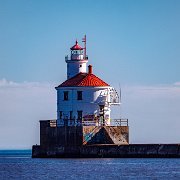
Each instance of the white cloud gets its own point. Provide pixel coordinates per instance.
(5, 83)
(22, 105)
(153, 112)
(177, 83)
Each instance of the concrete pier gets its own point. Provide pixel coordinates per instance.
(95, 142)
(52, 135)
(109, 151)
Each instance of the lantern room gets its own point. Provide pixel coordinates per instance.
(76, 52)
(77, 61)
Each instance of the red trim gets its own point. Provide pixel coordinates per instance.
(84, 79)
(76, 47)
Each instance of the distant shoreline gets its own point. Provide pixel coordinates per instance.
(16, 153)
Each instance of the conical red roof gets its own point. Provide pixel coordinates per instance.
(76, 47)
(83, 79)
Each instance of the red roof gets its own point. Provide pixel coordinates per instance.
(83, 79)
(76, 47)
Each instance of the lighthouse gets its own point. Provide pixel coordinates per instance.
(84, 104)
(83, 98)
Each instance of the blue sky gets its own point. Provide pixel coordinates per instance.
(134, 43)
(136, 40)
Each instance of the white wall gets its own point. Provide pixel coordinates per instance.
(89, 104)
(75, 66)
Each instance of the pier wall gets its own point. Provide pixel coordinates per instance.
(109, 151)
(95, 142)
(52, 135)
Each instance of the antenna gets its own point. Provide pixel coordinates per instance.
(84, 40)
(119, 93)
(120, 96)
(120, 100)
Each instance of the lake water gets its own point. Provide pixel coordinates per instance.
(20, 165)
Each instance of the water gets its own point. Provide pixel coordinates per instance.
(20, 165)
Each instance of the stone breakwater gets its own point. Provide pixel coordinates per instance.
(109, 151)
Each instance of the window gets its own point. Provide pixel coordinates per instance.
(60, 114)
(79, 95)
(71, 115)
(79, 113)
(65, 95)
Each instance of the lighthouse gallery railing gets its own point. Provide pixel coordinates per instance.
(72, 122)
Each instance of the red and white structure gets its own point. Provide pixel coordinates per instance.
(83, 98)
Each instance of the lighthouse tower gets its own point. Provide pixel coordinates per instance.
(83, 98)
(77, 62)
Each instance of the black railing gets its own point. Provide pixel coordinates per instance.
(52, 123)
(79, 122)
(67, 58)
(120, 122)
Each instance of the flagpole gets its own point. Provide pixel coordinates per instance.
(84, 40)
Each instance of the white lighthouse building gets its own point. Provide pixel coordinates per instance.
(83, 98)
(83, 115)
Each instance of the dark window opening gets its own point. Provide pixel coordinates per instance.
(71, 115)
(65, 95)
(79, 113)
(79, 95)
(101, 113)
(60, 114)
